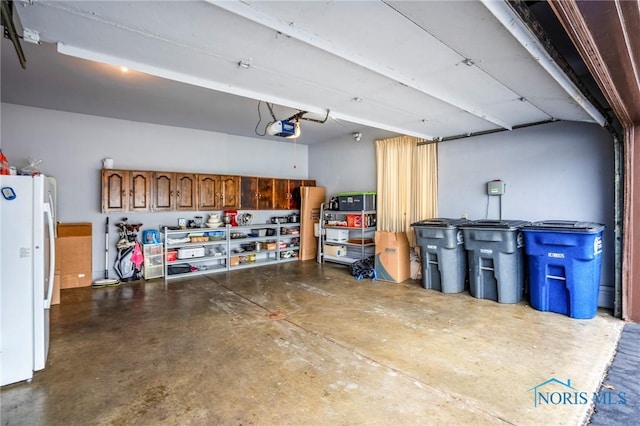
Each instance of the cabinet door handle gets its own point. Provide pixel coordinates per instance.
(178, 194)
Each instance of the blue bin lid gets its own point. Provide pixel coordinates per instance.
(495, 224)
(564, 226)
(440, 222)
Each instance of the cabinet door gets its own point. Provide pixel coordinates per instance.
(281, 194)
(164, 189)
(265, 193)
(140, 191)
(186, 195)
(208, 192)
(230, 188)
(115, 190)
(248, 192)
(294, 190)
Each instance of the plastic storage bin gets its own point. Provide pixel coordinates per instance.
(356, 201)
(564, 259)
(495, 252)
(444, 259)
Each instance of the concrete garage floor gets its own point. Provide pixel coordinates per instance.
(299, 343)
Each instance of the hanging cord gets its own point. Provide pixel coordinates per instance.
(295, 151)
(486, 215)
(264, 133)
(259, 121)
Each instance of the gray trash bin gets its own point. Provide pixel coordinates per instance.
(495, 251)
(444, 259)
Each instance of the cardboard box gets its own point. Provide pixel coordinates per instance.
(55, 298)
(74, 255)
(312, 199)
(81, 229)
(392, 256)
(337, 235)
(354, 220)
(338, 251)
(74, 280)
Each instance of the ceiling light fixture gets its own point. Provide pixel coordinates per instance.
(124, 69)
(357, 136)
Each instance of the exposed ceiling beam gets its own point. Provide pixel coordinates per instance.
(289, 29)
(90, 55)
(510, 20)
(235, 90)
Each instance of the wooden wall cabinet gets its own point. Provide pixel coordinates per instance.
(145, 191)
(174, 191)
(186, 192)
(164, 191)
(217, 192)
(126, 190)
(287, 193)
(281, 194)
(230, 192)
(256, 193)
(208, 192)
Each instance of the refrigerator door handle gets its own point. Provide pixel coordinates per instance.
(53, 212)
(52, 255)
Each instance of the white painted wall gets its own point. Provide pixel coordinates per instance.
(559, 170)
(344, 165)
(72, 147)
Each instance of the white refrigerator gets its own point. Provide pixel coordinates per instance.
(27, 265)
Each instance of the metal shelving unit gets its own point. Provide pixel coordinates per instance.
(353, 242)
(232, 248)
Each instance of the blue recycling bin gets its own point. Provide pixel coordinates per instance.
(444, 260)
(565, 260)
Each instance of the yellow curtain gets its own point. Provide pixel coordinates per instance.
(407, 183)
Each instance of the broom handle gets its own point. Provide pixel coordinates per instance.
(106, 250)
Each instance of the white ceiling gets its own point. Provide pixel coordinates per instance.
(378, 67)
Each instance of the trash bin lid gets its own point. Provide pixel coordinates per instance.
(440, 222)
(495, 224)
(565, 225)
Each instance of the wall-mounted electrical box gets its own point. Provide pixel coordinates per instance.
(495, 187)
